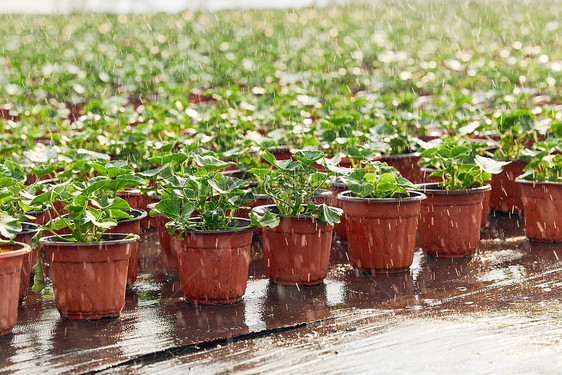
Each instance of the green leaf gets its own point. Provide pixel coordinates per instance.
(226, 184)
(268, 221)
(308, 157)
(329, 215)
(490, 165)
(9, 226)
(169, 208)
(210, 163)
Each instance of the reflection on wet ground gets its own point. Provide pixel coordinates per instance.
(503, 303)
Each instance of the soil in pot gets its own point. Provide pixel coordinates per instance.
(297, 252)
(213, 265)
(542, 203)
(11, 259)
(450, 220)
(381, 232)
(89, 279)
(506, 192)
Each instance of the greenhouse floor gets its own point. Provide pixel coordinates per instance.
(499, 312)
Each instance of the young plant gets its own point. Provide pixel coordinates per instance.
(204, 190)
(90, 207)
(377, 180)
(459, 168)
(293, 184)
(544, 163)
(515, 130)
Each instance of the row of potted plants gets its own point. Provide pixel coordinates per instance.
(201, 202)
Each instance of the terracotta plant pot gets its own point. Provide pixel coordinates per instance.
(406, 164)
(127, 226)
(41, 217)
(427, 178)
(450, 220)
(381, 232)
(542, 203)
(89, 279)
(297, 252)
(145, 200)
(340, 228)
(25, 236)
(506, 192)
(213, 265)
(169, 257)
(11, 259)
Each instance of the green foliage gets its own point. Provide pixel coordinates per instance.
(515, 130)
(376, 180)
(90, 204)
(544, 163)
(293, 184)
(458, 167)
(200, 189)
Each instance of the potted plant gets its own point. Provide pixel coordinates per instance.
(297, 251)
(381, 218)
(211, 244)
(15, 203)
(430, 165)
(399, 146)
(515, 131)
(101, 259)
(11, 259)
(451, 215)
(541, 186)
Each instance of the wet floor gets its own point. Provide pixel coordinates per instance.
(499, 312)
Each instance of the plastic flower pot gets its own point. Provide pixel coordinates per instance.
(406, 164)
(169, 257)
(381, 232)
(450, 220)
(542, 202)
(427, 178)
(11, 259)
(506, 192)
(297, 251)
(25, 236)
(340, 228)
(213, 265)
(133, 226)
(144, 201)
(89, 278)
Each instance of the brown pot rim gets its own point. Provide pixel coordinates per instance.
(432, 188)
(540, 183)
(112, 239)
(346, 196)
(260, 210)
(23, 249)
